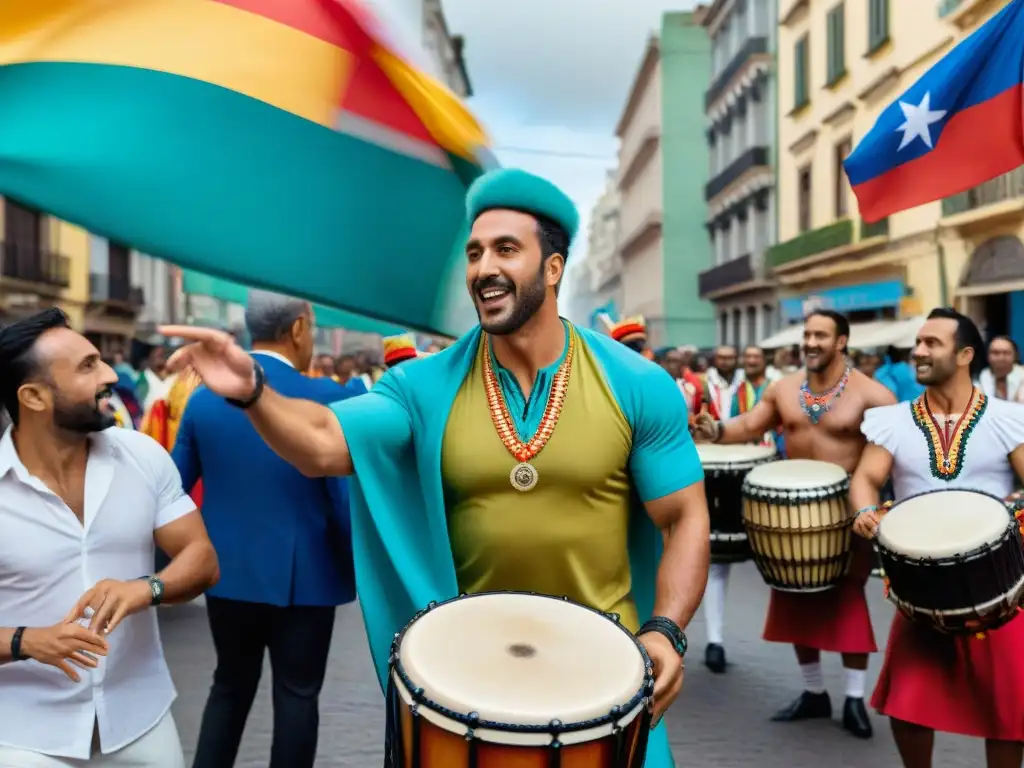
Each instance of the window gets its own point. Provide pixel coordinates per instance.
(801, 62)
(836, 46)
(723, 328)
(878, 24)
(804, 199)
(751, 337)
(842, 191)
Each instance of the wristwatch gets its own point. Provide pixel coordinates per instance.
(156, 588)
(257, 390)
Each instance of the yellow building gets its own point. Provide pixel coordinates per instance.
(46, 262)
(840, 63)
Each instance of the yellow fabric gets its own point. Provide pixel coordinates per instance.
(177, 398)
(567, 536)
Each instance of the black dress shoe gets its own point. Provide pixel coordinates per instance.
(714, 658)
(807, 706)
(855, 718)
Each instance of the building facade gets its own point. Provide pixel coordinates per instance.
(839, 65)
(44, 262)
(599, 287)
(740, 193)
(663, 168)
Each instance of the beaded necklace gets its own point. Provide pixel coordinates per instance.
(947, 448)
(816, 406)
(524, 475)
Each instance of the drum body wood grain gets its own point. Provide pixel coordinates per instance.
(725, 466)
(516, 680)
(953, 560)
(799, 524)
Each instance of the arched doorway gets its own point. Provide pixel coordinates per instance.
(994, 283)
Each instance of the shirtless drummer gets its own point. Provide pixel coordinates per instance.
(820, 410)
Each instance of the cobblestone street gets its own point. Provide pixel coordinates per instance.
(719, 721)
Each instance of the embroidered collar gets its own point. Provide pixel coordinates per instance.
(947, 451)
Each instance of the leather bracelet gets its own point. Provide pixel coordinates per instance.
(668, 629)
(718, 431)
(257, 390)
(16, 654)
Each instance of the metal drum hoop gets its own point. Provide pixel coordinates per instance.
(782, 496)
(555, 728)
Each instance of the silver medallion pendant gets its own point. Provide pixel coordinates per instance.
(523, 476)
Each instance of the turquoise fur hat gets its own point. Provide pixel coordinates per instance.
(518, 190)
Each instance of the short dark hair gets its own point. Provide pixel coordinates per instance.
(966, 335)
(18, 359)
(1011, 342)
(661, 354)
(757, 348)
(838, 319)
(553, 239)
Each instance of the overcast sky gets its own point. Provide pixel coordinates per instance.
(550, 79)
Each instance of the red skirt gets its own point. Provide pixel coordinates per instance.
(962, 685)
(836, 620)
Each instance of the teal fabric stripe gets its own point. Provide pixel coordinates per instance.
(218, 182)
(199, 284)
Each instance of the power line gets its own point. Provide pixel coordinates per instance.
(554, 153)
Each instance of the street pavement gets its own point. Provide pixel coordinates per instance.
(720, 721)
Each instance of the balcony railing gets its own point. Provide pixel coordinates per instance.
(827, 238)
(726, 275)
(103, 288)
(752, 47)
(35, 265)
(752, 158)
(1000, 189)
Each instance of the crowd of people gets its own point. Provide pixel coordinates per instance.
(531, 455)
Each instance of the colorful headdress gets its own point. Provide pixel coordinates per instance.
(399, 348)
(628, 329)
(518, 190)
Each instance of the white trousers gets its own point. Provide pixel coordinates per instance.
(159, 748)
(714, 602)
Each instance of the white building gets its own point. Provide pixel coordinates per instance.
(740, 193)
(604, 260)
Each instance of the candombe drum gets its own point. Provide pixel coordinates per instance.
(954, 560)
(725, 466)
(519, 680)
(799, 524)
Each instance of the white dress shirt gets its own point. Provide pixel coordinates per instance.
(48, 559)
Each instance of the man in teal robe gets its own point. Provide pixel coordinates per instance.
(392, 438)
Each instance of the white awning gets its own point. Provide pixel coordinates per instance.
(787, 337)
(877, 333)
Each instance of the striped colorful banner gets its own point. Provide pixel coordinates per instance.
(283, 144)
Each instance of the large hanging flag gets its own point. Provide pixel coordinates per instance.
(960, 125)
(284, 144)
(198, 284)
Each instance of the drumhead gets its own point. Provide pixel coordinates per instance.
(795, 475)
(725, 456)
(943, 524)
(522, 659)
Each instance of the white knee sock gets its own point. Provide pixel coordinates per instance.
(714, 601)
(814, 680)
(855, 683)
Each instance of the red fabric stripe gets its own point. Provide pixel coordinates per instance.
(398, 355)
(313, 17)
(348, 25)
(977, 144)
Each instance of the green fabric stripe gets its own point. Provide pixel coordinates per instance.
(218, 182)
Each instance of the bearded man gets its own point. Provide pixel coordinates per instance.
(820, 412)
(953, 437)
(83, 679)
(553, 515)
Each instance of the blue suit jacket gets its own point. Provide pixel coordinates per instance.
(281, 538)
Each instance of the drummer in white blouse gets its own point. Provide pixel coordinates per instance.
(952, 437)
